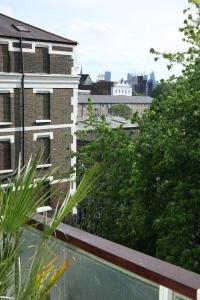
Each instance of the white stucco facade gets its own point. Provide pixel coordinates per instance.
(121, 89)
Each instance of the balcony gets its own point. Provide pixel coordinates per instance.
(103, 270)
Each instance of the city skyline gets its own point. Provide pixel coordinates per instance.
(112, 35)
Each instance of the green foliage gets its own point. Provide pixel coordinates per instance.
(107, 206)
(162, 89)
(166, 176)
(148, 196)
(32, 279)
(121, 110)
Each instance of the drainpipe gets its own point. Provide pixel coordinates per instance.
(22, 98)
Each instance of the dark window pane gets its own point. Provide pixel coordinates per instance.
(43, 106)
(4, 58)
(46, 107)
(5, 155)
(5, 108)
(42, 57)
(44, 148)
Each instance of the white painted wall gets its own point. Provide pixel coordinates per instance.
(121, 89)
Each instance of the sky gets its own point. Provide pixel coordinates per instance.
(113, 35)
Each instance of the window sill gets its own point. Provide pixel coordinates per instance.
(6, 171)
(42, 121)
(43, 209)
(5, 123)
(44, 166)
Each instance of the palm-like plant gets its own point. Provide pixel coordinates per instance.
(18, 203)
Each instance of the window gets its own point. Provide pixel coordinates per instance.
(5, 111)
(43, 145)
(42, 58)
(4, 58)
(20, 28)
(43, 106)
(5, 155)
(46, 193)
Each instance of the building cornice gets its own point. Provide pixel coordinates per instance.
(13, 80)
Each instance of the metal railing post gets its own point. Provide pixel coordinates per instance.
(165, 293)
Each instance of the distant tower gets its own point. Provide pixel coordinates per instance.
(107, 76)
(153, 78)
(81, 70)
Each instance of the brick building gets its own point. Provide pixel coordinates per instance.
(38, 98)
(103, 104)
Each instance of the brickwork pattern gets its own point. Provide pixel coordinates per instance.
(60, 107)
(60, 64)
(61, 48)
(58, 149)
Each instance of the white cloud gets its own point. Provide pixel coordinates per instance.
(111, 34)
(118, 47)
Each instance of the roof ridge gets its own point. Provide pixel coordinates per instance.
(11, 18)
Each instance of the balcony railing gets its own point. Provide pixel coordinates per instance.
(103, 270)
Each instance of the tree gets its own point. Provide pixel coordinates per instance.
(148, 197)
(121, 110)
(166, 177)
(106, 210)
(162, 89)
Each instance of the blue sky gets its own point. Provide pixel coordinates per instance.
(113, 35)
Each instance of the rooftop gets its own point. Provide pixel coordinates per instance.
(12, 28)
(113, 122)
(108, 99)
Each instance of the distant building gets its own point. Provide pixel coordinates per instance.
(94, 88)
(100, 77)
(102, 88)
(150, 87)
(121, 88)
(107, 76)
(102, 104)
(85, 80)
(113, 122)
(141, 84)
(153, 78)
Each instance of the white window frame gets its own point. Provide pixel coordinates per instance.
(43, 91)
(6, 91)
(11, 139)
(41, 135)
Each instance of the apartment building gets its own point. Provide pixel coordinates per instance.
(38, 99)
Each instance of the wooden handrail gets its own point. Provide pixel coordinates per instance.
(175, 278)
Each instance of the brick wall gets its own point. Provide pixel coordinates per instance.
(60, 106)
(38, 62)
(58, 193)
(60, 64)
(58, 149)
